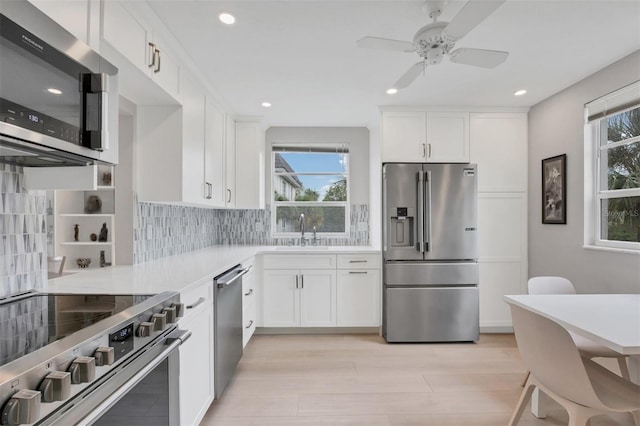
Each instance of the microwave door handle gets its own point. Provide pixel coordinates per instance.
(427, 231)
(420, 233)
(95, 111)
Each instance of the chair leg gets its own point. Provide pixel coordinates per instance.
(522, 402)
(526, 378)
(624, 369)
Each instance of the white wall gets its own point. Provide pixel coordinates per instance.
(556, 126)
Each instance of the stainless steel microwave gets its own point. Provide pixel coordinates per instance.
(58, 98)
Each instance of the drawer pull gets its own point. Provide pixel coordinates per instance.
(357, 261)
(199, 301)
(250, 324)
(249, 292)
(358, 272)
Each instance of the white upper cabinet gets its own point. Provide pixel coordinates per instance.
(128, 32)
(193, 142)
(416, 137)
(73, 15)
(249, 165)
(499, 147)
(214, 163)
(230, 159)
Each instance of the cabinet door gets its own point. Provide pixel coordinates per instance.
(248, 303)
(126, 34)
(447, 137)
(193, 110)
(499, 147)
(358, 298)
(249, 166)
(317, 298)
(280, 298)
(403, 136)
(214, 155)
(196, 366)
(230, 158)
(166, 70)
(72, 15)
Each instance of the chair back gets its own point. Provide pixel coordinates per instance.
(552, 357)
(550, 285)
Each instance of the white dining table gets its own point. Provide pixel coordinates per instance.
(613, 320)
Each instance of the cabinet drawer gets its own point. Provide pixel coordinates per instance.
(196, 297)
(300, 261)
(359, 261)
(248, 319)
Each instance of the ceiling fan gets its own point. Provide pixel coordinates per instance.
(437, 39)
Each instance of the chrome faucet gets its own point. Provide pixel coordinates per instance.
(301, 229)
(315, 236)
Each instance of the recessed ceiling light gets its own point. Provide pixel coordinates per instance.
(392, 91)
(520, 92)
(226, 18)
(54, 91)
(266, 104)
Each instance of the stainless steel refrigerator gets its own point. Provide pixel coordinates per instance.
(430, 251)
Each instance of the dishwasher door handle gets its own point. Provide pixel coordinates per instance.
(224, 282)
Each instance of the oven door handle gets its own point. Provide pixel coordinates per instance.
(175, 339)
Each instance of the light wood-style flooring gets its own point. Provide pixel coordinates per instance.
(339, 380)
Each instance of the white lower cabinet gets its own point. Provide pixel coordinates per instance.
(358, 298)
(248, 302)
(299, 298)
(196, 354)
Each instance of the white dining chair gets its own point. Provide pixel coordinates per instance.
(588, 348)
(583, 387)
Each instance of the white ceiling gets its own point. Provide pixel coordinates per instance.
(302, 57)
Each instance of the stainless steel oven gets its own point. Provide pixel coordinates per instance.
(58, 98)
(90, 359)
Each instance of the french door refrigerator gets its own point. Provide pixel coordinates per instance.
(430, 252)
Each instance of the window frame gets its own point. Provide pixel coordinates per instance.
(340, 148)
(596, 165)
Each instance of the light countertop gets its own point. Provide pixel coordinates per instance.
(176, 273)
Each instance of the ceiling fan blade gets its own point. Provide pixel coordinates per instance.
(469, 17)
(410, 76)
(478, 57)
(386, 44)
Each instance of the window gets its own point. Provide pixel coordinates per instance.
(614, 122)
(314, 181)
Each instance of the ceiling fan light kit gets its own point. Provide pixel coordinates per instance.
(436, 40)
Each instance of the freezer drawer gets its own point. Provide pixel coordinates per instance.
(430, 273)
(431, 314)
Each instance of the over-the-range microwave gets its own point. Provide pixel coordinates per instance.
(58, 98)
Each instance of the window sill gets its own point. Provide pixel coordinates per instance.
(611, 249)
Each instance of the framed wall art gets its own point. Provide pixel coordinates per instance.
(554, 190)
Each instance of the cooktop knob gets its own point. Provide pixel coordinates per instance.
(159, 321)
(104, 356)
(171, 314)
(56, 386)
(83, 370)
(179, 309)
(145, 329)
(23, 407)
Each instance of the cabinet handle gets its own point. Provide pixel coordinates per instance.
(357, 261)
(424, 150)
(229, 192)
(358, 272)
(297, 281)
(209, 191)
(250, 324)
(157, 70)
(249, 293)
(429, 150)
(199, 301)
(301, 281)
(152, 47)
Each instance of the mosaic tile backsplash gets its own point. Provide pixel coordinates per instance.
(23, 235)
(165, 230)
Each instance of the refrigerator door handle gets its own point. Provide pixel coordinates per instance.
(427, 231)
(420, 236)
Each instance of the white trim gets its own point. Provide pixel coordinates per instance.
(623, 142)
(618, 193)
(611, 249)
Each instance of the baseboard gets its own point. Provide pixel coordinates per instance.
(500, 329)
(317, 330)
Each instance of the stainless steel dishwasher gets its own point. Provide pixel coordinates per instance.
(228, 325)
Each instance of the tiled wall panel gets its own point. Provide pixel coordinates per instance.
(23, 235)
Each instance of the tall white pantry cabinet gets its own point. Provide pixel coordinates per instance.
(497, 142)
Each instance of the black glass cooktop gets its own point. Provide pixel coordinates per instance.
(32, 323)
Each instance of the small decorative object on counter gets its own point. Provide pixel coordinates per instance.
(93, 237)
(103, 233)
(93, 205)
(76, 231)
(102, 259)
(83, 262)
(106, 178)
